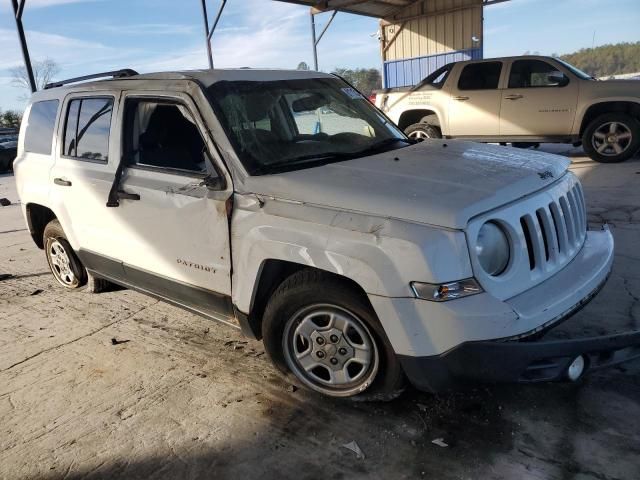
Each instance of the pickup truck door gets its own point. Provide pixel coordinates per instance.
(539, 99)
(170, 227)
(474, 103)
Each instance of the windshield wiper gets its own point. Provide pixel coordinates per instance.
(376, 147)
(318, 159)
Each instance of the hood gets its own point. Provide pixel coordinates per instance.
(438, 182)
(615, 87)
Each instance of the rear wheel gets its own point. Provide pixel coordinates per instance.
(422, 131)
(322, 331)
(612, 138)
(62, 260)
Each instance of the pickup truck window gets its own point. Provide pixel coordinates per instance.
(437, 78)
(291, 124)
(86, 133)
(480, 76)
(535, 73)
(40, 124)
(163, 134)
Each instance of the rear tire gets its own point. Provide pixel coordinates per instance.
(612, 138)
(322, 333)
(421, 131)
(63, 261)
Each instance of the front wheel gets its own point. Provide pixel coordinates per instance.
(321, 330)
(612, 138)
(421, 131)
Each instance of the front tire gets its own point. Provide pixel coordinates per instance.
(63, 262)
(612, 138)
(321, 331)
(422, 131)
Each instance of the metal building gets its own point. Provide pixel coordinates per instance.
(416, 36)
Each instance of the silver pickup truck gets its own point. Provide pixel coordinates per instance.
(522, 100)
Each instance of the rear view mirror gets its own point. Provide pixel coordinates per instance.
(308, 103)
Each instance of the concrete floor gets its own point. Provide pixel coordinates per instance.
(188, 398)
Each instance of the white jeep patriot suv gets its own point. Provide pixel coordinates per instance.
(284, 204)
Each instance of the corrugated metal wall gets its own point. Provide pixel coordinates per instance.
(410, 71)
(435, 32)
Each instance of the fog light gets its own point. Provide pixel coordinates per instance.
(576, 369)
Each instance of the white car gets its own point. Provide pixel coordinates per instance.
(284, 204)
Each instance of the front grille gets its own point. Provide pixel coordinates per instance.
(555, 231)
(546, 230)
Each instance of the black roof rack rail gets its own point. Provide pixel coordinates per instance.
(125, 72)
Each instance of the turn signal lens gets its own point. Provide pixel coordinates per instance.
(445, 291)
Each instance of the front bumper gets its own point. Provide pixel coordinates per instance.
(522, 360)
(521, 357)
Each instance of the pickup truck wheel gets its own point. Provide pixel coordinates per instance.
(62, 260)
(612, 138)
(322, 331)
(422, 131)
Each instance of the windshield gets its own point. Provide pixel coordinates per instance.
(290, 124)
(576, 71)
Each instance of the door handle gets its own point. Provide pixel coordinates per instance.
(122, 195)
(461, 98)
(514, 97)
(62, 182)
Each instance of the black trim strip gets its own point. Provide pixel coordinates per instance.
(198, 300)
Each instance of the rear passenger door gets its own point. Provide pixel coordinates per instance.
(83, 170)
(474, 103)
(171, 224)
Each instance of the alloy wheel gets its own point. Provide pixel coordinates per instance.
(331, 350)
(611, 139)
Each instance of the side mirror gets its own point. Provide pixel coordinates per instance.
(557, 79)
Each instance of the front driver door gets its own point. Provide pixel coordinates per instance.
(172, 214)
(539, 100)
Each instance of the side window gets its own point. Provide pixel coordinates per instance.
(480, 76)
(39, 133)
(86, 132)
(438, 77)
(164, 134)
(535, 73)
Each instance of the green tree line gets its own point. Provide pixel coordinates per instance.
(605, 60)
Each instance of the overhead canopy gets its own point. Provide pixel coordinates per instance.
(370, 8)
(386, 9)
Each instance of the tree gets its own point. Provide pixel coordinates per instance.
(364, 79)
(10, 119)
(607, 60)
(303, 66)
(43, 72)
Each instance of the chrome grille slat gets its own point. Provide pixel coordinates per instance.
(575, 211)
(550, 234)
(569, 221)
(537, 241)
(561, 227)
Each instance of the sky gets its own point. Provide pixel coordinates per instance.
(86, 36)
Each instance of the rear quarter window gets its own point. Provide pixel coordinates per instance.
(40, 124)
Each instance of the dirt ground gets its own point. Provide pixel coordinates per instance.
(185, 398)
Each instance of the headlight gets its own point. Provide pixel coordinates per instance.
(445, 291)
(492, 249)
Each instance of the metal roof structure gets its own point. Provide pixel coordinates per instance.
(384, 9)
